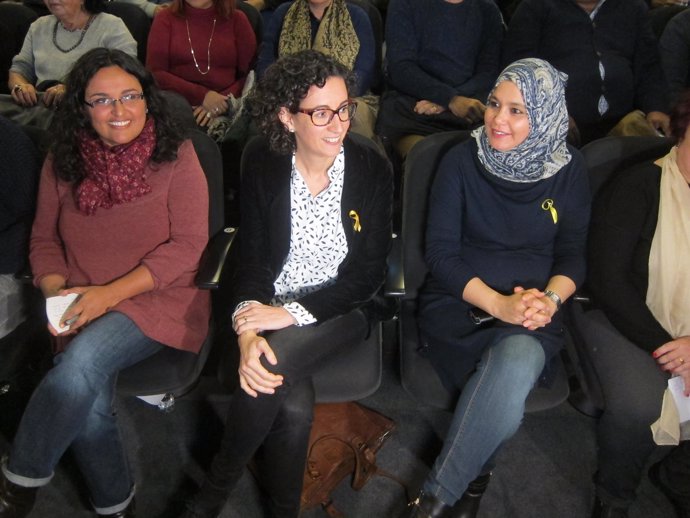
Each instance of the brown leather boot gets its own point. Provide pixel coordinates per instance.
(15, 501)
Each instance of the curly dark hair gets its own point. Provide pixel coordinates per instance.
(680, 117)
(71, 117)
(284, 84)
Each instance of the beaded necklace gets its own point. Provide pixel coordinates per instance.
(81, 36)
(208, 50)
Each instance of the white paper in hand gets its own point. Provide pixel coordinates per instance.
(56, 307)
(676, 386)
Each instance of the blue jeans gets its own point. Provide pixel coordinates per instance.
(73, 407)
(489, 412)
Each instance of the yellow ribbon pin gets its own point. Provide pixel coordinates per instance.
(355, 221)
(547, 204)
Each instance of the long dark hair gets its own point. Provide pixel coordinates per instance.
(71, 118)
(284, 84)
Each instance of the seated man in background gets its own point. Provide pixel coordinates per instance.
(607, 48)
(442, 59)
(674, 47)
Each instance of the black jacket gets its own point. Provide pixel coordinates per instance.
(265, 229)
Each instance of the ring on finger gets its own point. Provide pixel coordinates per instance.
(681, 360)
(208, 114)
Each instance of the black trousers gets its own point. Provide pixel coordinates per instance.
(279, 422)
(674, 473)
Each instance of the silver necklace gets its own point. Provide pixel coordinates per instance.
(81, 36)
(208, 50)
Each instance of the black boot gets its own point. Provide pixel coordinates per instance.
(680, 503)
(127, 512)
(426, 506)
(602, 510)
(207, 503)
(468, 505)
(15, 501)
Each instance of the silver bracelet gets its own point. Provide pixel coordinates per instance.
(554, 297)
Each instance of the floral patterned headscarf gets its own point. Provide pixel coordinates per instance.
(544, 152)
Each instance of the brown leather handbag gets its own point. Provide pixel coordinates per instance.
(344, 440)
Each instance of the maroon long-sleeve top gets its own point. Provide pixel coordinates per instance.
(165, 230)
(232, 52)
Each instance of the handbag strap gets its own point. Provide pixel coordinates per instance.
(365, 468)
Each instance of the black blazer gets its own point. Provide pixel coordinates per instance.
(265, 229)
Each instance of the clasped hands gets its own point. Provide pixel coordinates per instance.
(248, 322)
(214, 104)
(529, 308)
(466, 108)
(25, 95)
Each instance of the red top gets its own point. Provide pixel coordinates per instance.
(169, 57)
(166, 230)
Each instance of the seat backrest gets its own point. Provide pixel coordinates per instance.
(606, 156)
(419, 171)
(37, 6)
(15, 20)
(212, 164)
(254, 17)
(136, 20)
(377, 27)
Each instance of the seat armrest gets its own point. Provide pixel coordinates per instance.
(582, 296)
(213, 259)
(24, 275)
(394, 285)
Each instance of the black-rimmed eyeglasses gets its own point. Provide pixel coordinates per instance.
(107, 102)
(324, 116)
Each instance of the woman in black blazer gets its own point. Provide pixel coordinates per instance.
(316, 229)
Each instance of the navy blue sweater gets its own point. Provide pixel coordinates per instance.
(436, 50)
(482, 226)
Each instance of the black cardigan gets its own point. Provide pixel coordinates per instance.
(562, 33)
(265, 229)
(620, 238)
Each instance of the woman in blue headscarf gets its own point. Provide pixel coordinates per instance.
(506, 235)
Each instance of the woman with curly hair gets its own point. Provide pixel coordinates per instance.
(121, 221)
(316, 213)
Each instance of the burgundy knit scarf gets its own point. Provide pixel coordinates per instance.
(115, 174)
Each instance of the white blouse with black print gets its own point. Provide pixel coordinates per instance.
(317, 242)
